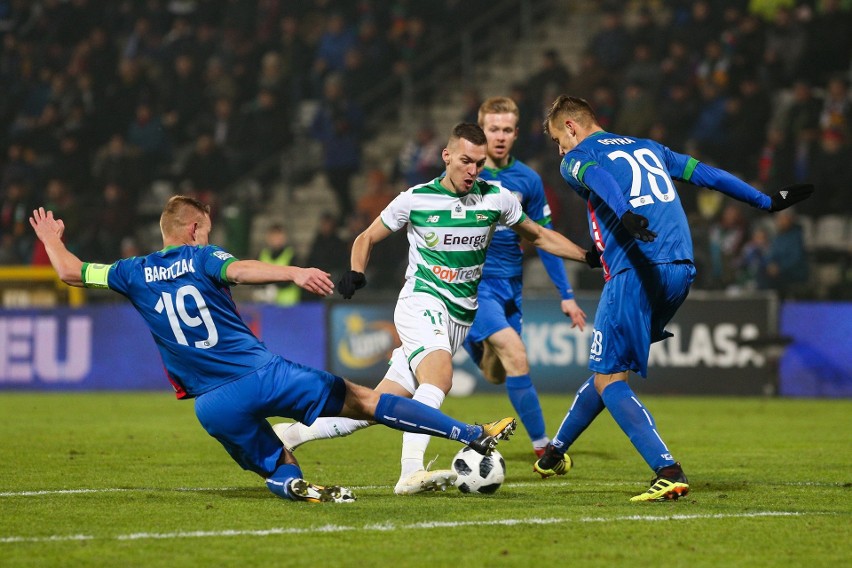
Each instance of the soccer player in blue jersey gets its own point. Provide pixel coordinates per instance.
(641, 232)
(494, 341)
(183, 294)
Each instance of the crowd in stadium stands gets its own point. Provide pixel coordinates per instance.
(101, 97)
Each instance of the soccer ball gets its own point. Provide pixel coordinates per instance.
(478, 473)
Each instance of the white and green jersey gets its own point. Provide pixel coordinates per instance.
(448, 236)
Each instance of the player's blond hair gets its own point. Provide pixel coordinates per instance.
(181, 211)
(497, 105)
(575, 108)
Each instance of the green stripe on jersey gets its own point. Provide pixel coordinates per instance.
(691, 164)
(583, 169)
(438, 218)
(453, 258)
(457, 312)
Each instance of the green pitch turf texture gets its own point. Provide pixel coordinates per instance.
(132, 480)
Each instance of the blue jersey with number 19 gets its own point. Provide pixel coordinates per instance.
(186, 301)
(643, 171)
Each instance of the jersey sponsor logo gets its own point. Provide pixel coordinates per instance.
(456, 275)
(222, 255)
(32, 349)
(574, 168)
(474, 241)
(179, 268)
(615, 141)
(431, 239)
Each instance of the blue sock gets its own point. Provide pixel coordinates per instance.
(411, 416)
(585, 408)
(524, 398)
(279, 481)
(637, 423)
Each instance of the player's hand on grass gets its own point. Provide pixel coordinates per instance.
(571, 309)
(314, 280)
(593, 257)
(350, 282)
(789, 195)
(637, 225)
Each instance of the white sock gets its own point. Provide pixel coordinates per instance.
(322, 429)
(541, 443)
(414, 445)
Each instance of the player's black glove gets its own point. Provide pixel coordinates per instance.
(790, 195)
(593, 257)
(637, 225)
(350, 282)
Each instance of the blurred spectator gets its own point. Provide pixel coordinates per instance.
(263, 129)
(113, 221)
(182, 99)
(19, 166)
(206, 170)
(376, 196)
(836, 111)
(589, 77)
(678, 111)
(277, 250)
(785, 46)
(727, 237)
(644, 70)
(16, 238)
(420, 161)
(752, 263)
(296, 57)
(71, 165)
(829, 41)
(787, 262)
(337, 38)
(611, 43)
(551, 79)
(148, 134)
(328, 251)
(338, 125)
(831, 173)
(714, 66)
(471, 101)
(636, 113)
(117, 163)
(218, 83)
(776, 163)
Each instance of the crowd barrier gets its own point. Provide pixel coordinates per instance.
(721, 346)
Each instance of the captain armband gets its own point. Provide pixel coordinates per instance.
(95, 275)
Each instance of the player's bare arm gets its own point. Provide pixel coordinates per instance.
(49, 231)
(256, 272)
(549, 240)
(363, 244)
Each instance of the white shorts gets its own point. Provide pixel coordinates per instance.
(423, 324)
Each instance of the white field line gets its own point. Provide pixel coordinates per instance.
(385, 527)
(540, 483)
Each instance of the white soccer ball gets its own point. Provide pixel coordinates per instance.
(478, 473)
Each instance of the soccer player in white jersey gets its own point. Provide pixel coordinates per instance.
(450, 222)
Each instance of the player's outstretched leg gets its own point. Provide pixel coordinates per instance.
(294, 434)
(585, 408)
(286, 482)
(635, 420)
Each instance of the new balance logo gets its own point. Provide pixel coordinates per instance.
(433, 218)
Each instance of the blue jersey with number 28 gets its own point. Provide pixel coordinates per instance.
(643, 170)
(186, 301)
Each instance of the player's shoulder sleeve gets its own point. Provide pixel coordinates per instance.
(396, 215)
(679, 166)
(535, 202)
(511, 211)
(214, 262)
(574, 165)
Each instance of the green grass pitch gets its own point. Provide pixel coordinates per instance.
(131, 479)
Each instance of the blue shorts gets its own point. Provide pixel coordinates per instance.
(499, 308)
(236, 412)
(634, 309)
